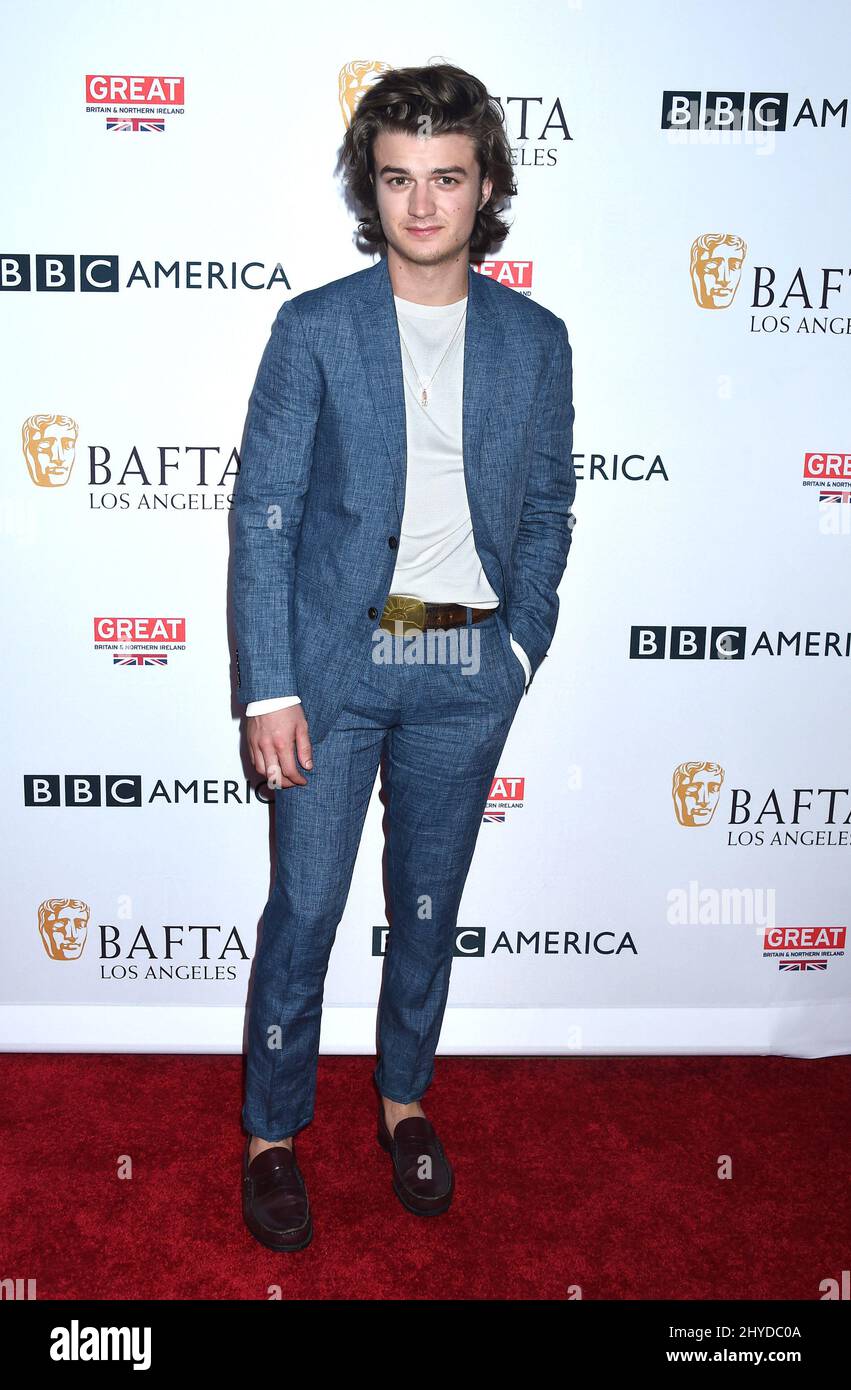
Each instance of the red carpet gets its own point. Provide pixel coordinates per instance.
(598, 1172)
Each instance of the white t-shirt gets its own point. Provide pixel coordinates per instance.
(437, 558)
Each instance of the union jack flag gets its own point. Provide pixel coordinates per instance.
(142, 123)
(803, 964)
(140, 659)
(493, 818)
(834, 496)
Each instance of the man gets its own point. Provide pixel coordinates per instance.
(406, 469)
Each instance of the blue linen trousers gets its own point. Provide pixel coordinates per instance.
(436, 728)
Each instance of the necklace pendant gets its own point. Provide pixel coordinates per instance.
(424, 396)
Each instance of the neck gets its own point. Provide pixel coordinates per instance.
(444, 283)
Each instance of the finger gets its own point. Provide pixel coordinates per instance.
(286, 758)
(304, 746)
(280, 783)
(257, 758)
(275, 775)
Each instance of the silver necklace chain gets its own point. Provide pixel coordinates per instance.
(425, 386)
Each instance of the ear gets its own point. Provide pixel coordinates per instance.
(487, 189)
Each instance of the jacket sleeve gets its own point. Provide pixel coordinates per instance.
(546, 522)
(268, 503)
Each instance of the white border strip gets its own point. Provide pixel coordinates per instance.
(798, 1030)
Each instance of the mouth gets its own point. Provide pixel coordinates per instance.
(422, 231)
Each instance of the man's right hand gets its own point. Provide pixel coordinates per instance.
(275, 740)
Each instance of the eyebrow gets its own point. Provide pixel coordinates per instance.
(446, 169)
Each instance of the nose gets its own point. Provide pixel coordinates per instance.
(421, 203)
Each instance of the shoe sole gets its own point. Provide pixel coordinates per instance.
(280, 1248)
(440, 1205)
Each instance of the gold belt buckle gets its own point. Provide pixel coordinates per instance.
(404, 609)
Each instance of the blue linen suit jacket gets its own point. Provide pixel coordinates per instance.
(319, 497)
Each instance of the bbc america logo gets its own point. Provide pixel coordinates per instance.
(695, 110)
(687, 643)
(763, 112)
(728, 643)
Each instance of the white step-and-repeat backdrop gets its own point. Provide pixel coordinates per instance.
(664, 863)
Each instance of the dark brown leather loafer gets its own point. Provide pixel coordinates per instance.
(274, 1199)
(423, 1179)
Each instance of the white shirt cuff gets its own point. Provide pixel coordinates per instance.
(267, 706)
(527, 665)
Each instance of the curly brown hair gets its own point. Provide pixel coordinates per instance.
(452, 100)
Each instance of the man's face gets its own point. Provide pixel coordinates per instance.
(428, 194)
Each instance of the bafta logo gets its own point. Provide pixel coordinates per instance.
(716, 268)
(696, 789)
(63, 925)
(354, 79)
(49, 445)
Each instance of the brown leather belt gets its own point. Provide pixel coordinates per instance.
(415, 614)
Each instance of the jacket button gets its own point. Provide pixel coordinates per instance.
(392, 542)
(372, 613)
